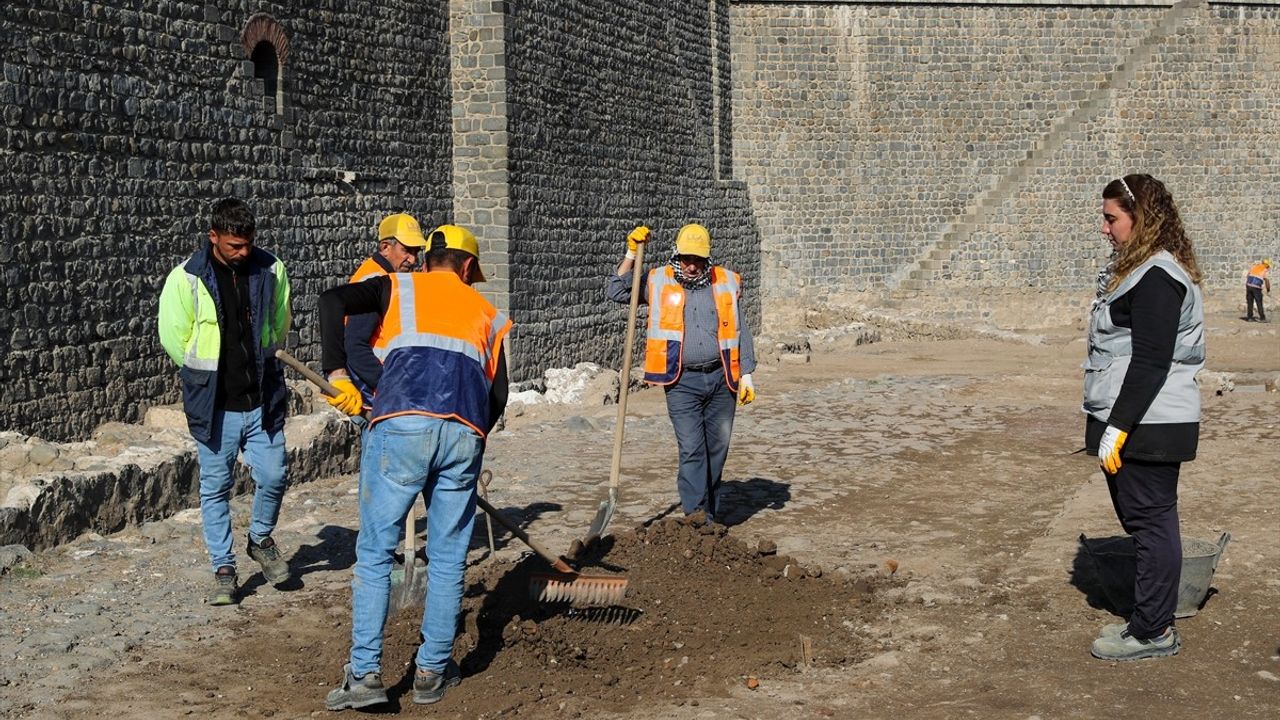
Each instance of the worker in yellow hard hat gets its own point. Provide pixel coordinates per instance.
(699, 348)
(1254, 282)
(443, 388)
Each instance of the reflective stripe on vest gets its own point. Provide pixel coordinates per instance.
(443, 354)
(369, 268)
(1111, 349)
(664, 337)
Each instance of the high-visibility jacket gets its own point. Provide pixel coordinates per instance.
(189, 324)
(664, 339)
(1111, 350)
(370, 268)
(442, 343)
(1257, 276)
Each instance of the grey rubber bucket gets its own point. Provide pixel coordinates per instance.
(1115, 561)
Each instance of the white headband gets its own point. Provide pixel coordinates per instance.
(1127, 191)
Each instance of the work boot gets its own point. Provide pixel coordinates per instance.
(429, 686)
(267, 553)
(223, 591)
(1113, 630)
(1127, 647)
(356, 692)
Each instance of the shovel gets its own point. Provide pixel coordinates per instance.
(408, 585)
(605, 513)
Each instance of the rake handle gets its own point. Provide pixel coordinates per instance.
(615, 466)
(557, 563)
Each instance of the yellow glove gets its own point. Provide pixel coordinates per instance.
(634, 238)
(1109, 449)
(746, 390)
(348, 400)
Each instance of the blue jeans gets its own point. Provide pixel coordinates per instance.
(264, 454)
(405, 457)
(701, 407)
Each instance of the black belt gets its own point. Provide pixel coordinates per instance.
(704, 367)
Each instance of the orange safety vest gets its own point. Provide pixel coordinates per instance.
(664, 339)
(442, 346)
(1257, 274)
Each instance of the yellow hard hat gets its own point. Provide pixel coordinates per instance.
(693, 239)
(455, 237)
(1266, 261)
(403, 228)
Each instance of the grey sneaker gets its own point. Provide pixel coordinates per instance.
(267, 554)
(1126, 647)
(1113, 630)
(223, 591)
(429, 687)
(356, 692)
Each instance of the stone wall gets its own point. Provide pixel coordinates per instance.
(966, 144)
(123, 121)
(613, 114)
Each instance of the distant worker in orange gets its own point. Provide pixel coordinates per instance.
(1254, 282)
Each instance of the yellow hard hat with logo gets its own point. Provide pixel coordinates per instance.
(693, 239)
(455, 237)
(403, 228)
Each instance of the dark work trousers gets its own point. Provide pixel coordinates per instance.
(1145, 496)
(1253, 296)
(701, 407)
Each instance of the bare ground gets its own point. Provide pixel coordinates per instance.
(925, 502)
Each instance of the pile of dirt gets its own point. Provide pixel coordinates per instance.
(706, 612)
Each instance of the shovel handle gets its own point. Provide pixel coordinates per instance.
(557, 563)
(306, 372)
(615, 466)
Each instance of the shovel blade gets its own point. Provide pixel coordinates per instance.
(408, 585)
(602, 518)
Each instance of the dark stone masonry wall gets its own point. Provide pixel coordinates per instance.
(864, 130)
(124, 120)
(613, 120)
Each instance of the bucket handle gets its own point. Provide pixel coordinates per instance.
(1223, 539)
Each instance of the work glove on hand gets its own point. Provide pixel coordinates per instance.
(1109, 449)
(634, 238)
(746, 390)
(348, 400)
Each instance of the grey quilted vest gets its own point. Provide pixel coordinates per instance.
(1111, 349)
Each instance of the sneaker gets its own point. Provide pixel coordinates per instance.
(356, 692)
(1127, 647)
(224, 587)
(1113, 630)
(267, 553)
(429, 687)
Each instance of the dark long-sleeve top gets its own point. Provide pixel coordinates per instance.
(700, 321)
(361, 362)
(374, 296)
(1151, 309)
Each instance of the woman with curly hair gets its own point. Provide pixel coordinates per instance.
(1146, 344)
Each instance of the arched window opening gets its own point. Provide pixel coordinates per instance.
(266, 67)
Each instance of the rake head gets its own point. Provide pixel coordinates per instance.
(578, 590)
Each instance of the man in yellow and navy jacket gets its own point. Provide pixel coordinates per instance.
(223, 313)
(399, 243)
(443, 388)
(699, 349)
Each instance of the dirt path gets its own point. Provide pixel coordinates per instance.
(949, 461)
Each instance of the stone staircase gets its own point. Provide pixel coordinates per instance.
(916, 277)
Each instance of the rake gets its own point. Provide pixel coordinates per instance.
(563, 584)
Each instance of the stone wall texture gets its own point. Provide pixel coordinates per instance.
(904, 146)
(124, 120)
